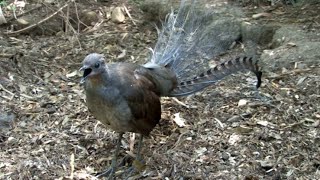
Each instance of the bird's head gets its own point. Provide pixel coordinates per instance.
(92, 65)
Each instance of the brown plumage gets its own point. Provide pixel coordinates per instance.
(120, 98)
(126, 96)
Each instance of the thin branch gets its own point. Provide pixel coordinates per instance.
(40, 22)
(26, 12)
(128, 13)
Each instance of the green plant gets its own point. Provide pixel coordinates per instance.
(3, 3)
(12, 7)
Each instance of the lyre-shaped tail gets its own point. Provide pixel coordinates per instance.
(215, 74)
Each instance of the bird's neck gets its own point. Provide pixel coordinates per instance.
(97, 81)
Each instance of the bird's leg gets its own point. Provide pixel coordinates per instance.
(111, 171)
(140, 143)
(137, 165)
(138, 156)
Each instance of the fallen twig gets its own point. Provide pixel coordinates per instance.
(40, 22)
(127, 11)
(180, 103)
(6, 55)
(9, 92)
(26, 12)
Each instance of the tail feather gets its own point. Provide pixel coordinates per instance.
(217, 73)
(191, 36)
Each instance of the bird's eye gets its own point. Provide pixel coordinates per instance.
(97, 65)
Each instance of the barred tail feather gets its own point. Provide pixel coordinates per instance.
(217, 73)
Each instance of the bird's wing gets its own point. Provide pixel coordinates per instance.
(141, 96)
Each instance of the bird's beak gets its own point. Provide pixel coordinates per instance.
(82, 68)
(86, 71)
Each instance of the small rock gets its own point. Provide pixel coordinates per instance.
(51, 110)
(300, 81)
(263, 123)
(225, 156)
(89, 17)
(242, 102)
(291, 44)
(299, 65)
(179, 120)
(234, 119)
(201, 151)
(259, 15)
(267, 164)
(11, 139)
(49, 1)
(117, 15)
(233, 139)
(23, 22)
(6, 119)
(72, 74)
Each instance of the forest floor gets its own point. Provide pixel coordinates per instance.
(46, 131)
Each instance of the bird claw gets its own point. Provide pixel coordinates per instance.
(136, 167)
(130, 172)
(110, 172)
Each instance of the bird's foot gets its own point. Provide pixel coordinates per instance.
(112, 171)
(109, 173)
(135, 169)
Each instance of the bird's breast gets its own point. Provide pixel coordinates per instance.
(110, 109)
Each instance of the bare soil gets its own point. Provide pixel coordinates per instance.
(47, 132)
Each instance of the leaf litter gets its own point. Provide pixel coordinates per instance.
(47, 132)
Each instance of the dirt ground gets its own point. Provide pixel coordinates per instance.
(47, 132)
